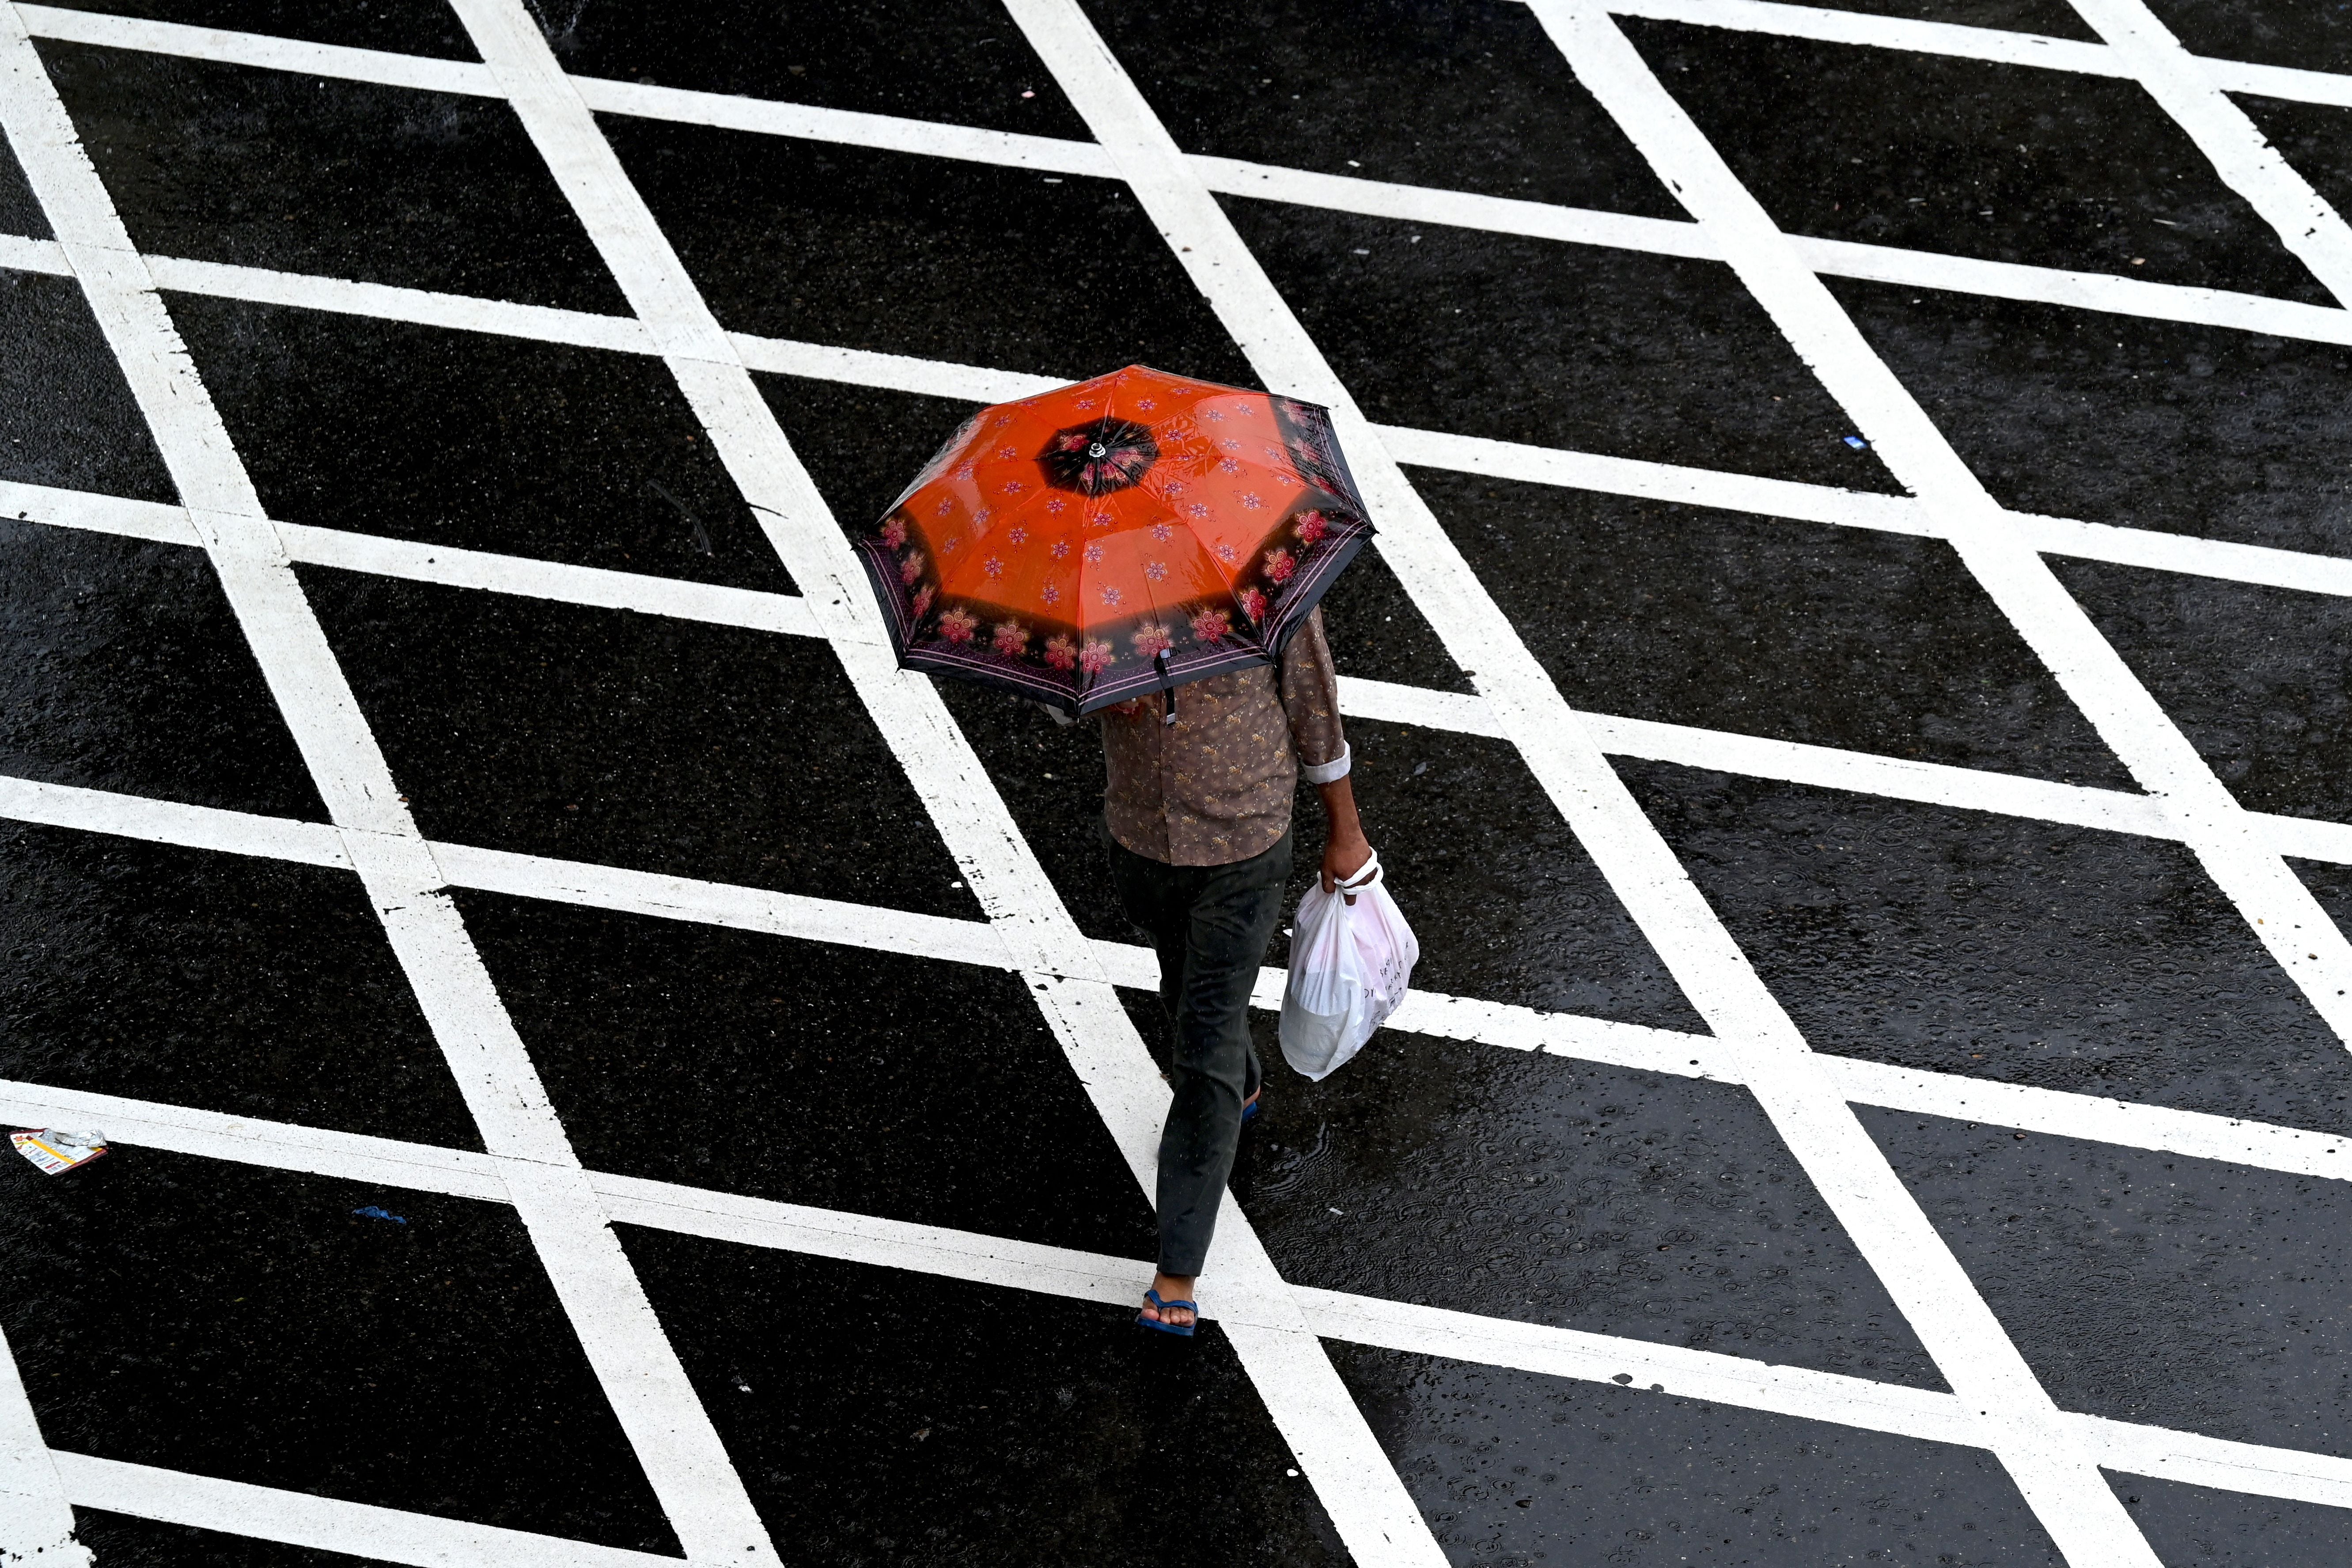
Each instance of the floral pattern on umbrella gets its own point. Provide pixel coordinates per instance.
(1115, 537)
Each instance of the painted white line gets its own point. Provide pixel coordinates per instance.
(2279, 81)
(380, 555)
(2243, 155)
(97, 513)
(1058, 1271)
(1426, 448)
(1605, 1358)
(1653, 481)
(639, 1372)
(2108, 292)
(20, 254)
(1997, 550)
(326, 1524)
(1462, 714)
(2188, 554)
(1860, 28)
(1792, 761)
(248, 1141)
(1816, 1395)
(170, 822)
(889, 132)
(387, 302)
(2060, 1481)
(36, 1522)
(1570, 1034)
(1879, 1213)
(894, 373)
(2101, 291)
(586, 170)
(2132, 1124)
(1892, 778)
(869, 1239)
(2217, 1462)
(257, 49)
(530, 578)
(2198, 1136)
(1852, 1174)
(716, 903)
(1452, 209)
(2303, 837)
(1301, 1391)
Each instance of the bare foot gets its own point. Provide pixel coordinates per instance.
(1172, 1287)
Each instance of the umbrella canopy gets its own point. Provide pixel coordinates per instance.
(1115, 537)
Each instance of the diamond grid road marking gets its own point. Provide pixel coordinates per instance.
(688, 340)
(666, 1425)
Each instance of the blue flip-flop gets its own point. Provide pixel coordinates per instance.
(1249, 1106)
(1183, 1330)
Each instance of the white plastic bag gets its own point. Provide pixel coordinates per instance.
(1349, 965)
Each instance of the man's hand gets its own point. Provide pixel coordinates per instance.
(1345, 849)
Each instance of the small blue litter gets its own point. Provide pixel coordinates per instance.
(371, 1212)
(1856, 442)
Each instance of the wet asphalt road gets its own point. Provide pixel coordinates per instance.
(174, 1308)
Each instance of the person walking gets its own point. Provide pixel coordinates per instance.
(1197, 808)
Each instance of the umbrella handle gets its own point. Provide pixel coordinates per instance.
(1167, 691)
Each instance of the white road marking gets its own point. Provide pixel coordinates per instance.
(155, 522)
(2059, 1481)
(2198, 1134)
(810, 122)
(1973, 789)
(665, 897)
(171, 822)
(971, 144)
(1834, 27)
(1649, 480)
(1301, 1392)
(20, 254)
(2103, 292)
(260, 50)
(2087, 290)
(46, 256)
(2230, 844)
(392, 302)
(636, 1368)
(1452, 209)
(529, 577)
(36, 1522)
(1891, 778)
(2049, 1463)
(327, 1524)
(252, 1141)
(2242, 155)
(875, 1241)
(894, 373)
(1640, 478)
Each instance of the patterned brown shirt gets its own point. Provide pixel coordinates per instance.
(1215, 786)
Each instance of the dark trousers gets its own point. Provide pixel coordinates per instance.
(1210, 925)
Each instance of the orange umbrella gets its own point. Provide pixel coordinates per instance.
(1116, 537)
